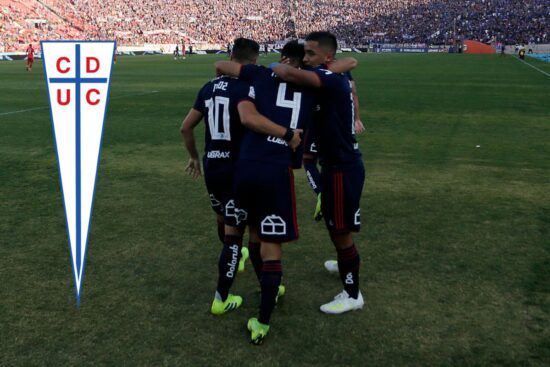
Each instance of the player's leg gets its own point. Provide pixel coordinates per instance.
(340, 202)
(277, 225)
(227, 271)
(254, 246)
(270, 281)
(254, 251)
(220, 189)
(220, 225)
(314, 179)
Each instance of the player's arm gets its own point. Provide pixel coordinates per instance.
(297, 76)
(343, 65)
(192, 119)
(359, 127)
(229, 68)
(255, 121)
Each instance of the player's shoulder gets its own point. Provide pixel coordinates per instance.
(255, 70)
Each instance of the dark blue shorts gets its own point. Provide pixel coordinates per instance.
(264, 194)
(341, 196)
(309, 143)
(219, 184)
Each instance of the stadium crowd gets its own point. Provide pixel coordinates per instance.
(356, 22)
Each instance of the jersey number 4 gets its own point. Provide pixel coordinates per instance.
(293, 103)
(214, 106)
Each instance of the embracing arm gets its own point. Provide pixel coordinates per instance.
(255, 121)
(297, 76)
(229, 68)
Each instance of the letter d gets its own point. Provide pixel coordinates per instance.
(89, 61)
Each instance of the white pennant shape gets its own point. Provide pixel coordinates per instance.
(78, 74)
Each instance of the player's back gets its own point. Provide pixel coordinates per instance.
(283, 103)
(334, 132)
(218, 100)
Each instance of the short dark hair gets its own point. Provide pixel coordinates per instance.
(294, 50)
(325, 39)
(245, 49)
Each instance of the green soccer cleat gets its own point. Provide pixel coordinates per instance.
(220, 307)
(281, 292)
(318, 214)
(244, 257)
(258, 331)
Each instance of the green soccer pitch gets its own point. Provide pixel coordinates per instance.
(455, 245)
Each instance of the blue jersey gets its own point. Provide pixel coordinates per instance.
(218, 101)
(334, 132)
(283, 103)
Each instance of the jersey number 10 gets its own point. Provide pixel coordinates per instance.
(214, 107)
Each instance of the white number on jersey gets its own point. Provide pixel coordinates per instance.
(214, 107)
(293, 103)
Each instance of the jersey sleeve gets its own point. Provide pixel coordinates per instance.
(250, 72)
(245, 92)
(199, 101)
(348, 74)
(329, 79)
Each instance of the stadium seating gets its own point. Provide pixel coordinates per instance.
(355, 22)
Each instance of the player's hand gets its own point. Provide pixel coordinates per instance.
(296, 139)
(193, 168)
(359, 127)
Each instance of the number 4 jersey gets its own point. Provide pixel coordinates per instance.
(218, 101)
(283, 103)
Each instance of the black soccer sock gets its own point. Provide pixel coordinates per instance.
(256, 258)
(272, 271)
(221, 232)
(228, 263)
(348, 266)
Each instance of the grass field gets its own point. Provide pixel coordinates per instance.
(455, 243)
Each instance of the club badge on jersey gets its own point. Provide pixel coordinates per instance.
(78, 74)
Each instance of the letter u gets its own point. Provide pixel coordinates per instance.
(67, 97)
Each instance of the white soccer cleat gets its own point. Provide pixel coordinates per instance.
(343, 303)
(331, 266)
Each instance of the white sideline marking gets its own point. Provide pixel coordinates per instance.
(45, 107)
(534, 67)
(21, 111)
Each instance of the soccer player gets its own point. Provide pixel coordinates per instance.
(30, 57)
(227, 102)
(312, 171)
(176, 52)
(343, 174)
(183, 49)
(264, 180)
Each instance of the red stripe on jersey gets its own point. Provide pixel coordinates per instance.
(293, 198)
